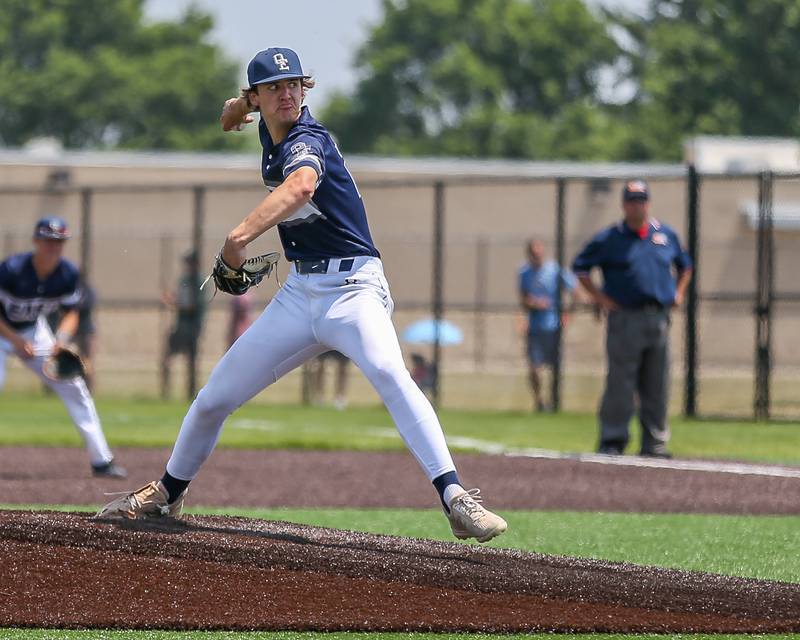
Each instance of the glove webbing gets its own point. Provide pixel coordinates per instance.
(216, 288)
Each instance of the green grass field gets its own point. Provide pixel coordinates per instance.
(761, 547)
(152, 423)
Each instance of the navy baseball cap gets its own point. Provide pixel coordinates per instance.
(52, 227)
(635, 190)
(273, 64)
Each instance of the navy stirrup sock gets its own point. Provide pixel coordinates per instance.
(173, 486)
(442, 482)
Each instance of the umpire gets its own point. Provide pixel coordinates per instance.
(645, 274)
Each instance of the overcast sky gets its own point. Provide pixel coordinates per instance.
(326, 33)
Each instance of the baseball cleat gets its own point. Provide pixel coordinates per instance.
(148, 502)
(109, 470)
(468, 518)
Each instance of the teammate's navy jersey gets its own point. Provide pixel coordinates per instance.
(334, 223)
(23, 297)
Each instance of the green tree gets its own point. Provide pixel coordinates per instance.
(712, 67)
(93, 73)
(511, 78)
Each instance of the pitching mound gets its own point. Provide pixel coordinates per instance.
(67, 570)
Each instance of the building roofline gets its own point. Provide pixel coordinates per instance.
(426, 166)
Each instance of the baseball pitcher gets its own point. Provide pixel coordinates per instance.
(335, 297)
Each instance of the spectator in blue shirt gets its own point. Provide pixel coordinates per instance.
(645, 275)
(539, 284)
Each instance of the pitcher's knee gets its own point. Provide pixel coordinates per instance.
(387, 375)
(213, 404)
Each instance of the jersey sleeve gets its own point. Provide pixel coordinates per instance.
(568, 279)
(682, 261)
(522, 281)
(592, 255)
(6, 277)
(71, 296)
(304, 150)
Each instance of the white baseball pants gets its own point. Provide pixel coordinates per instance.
(73, 393)
(347, 311)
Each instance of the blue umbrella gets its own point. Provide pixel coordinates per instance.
(424, 331)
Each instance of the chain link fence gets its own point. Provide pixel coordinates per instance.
(452, 248)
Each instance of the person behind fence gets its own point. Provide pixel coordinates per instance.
(336, 296)
(239, 319)
(32, 286)
(539, 282)
(423, 373)
(190, 307)
(341, 365)
(645, 274)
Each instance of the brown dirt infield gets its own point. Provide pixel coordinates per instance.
(70, 571)
(234, 573)
(279, 478)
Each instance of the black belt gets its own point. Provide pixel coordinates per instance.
(305, 267)
(649, 306)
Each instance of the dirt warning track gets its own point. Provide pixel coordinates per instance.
(67, 570)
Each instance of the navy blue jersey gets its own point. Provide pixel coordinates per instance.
(23, 297)
(637, 269)
(334, 223)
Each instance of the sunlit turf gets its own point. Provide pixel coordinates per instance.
(35, 419)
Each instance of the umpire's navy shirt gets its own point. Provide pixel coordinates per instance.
(637, 269)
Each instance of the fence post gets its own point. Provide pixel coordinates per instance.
(764, 298)
(692, 239)
(198, 222)
(555, 389)
(481, 289)
(86, 234)
(437, 302)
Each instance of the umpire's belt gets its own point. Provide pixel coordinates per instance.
(651, 305)
(324, 265)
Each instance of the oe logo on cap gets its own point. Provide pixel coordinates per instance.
(281, 62)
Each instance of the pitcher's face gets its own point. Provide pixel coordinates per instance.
(280, 102)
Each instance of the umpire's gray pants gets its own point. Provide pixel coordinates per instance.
(637, 346)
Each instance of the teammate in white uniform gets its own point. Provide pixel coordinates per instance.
(32, 285)
(335, 297)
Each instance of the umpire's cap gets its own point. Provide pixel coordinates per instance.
(273, 64)
(52, 228)
(635, 190)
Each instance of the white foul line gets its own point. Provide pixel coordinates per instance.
(737, 468)
(496, 448)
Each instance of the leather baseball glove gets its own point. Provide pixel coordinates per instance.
(64, 365)
(250, 274)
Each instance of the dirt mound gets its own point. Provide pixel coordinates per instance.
(67, 570)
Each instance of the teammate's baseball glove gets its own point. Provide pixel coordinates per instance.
(250, 274)
(64, 365)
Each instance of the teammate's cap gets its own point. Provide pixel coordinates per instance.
(273, 64)
(635, 190)
(52, 227)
